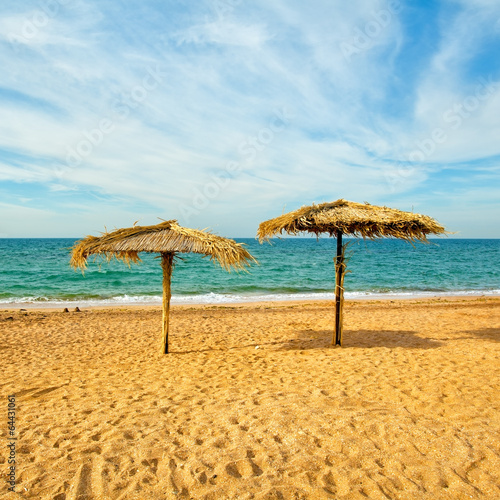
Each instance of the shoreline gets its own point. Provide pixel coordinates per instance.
(228, 298)
(414, 299)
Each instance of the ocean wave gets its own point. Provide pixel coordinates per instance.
(219, 298)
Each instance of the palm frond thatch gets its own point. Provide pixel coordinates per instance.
(166, 237)
(357, 219)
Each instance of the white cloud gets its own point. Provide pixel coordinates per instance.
(221, 79)
(225, 33)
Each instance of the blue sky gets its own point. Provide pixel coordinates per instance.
(224, 113)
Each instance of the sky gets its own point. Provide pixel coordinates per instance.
(225, 113)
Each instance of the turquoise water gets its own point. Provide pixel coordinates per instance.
(36, 271)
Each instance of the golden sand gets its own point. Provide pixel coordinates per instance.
(252, 402)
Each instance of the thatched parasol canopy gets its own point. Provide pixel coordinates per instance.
(357, 219)
(167, 239)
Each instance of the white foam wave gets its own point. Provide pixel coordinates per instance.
(217, 298)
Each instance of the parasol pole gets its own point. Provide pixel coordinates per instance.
(166, 264)
(339, 270)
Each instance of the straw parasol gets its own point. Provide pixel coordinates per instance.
(167, 239)
(357, 219)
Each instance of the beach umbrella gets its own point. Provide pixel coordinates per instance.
(343, 217)
(167, 239)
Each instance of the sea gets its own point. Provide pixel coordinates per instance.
(36, 273)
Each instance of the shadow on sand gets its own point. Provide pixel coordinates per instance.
(486, 334)
(363, 339)
(321, 339)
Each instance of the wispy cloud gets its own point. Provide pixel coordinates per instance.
(227, 33)
(134, 109)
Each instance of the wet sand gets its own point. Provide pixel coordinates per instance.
(253, 402)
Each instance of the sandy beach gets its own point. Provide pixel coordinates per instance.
(253, 402)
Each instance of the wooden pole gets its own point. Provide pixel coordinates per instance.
(167, 260)
(339, 291)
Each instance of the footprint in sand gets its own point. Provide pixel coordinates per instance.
(89, 482)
